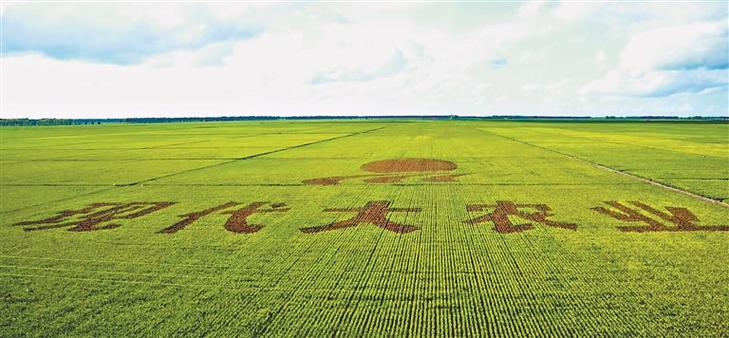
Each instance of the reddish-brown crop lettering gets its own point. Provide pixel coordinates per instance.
(237, 222)
(194, 216)
(100, 216)
(91, 217)
(683, 219)
(503, 209)
(374, 212)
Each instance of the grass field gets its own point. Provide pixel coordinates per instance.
(370, 227)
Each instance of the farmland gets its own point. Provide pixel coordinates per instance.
(366, 227)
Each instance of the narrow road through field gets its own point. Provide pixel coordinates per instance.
(252, 156)
(616, 171)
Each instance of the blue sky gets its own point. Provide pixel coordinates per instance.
(193, 59)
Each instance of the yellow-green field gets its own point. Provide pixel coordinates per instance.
(368, 227)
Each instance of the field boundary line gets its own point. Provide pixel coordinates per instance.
(616, 171)
(251, 156)
(104, 261)
(111, 272)
(439, 184)
(109, 188)
(301, 185)
(102, 280)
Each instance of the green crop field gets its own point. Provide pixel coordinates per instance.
(365, 228)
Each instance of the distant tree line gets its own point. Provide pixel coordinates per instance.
(45, 122)
(60, 122)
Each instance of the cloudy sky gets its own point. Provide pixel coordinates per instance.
(192, 59)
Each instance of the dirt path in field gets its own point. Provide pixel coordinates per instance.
(616, 171)
(180, 172)
(252, 156)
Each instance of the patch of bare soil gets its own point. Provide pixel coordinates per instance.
(387, 179)
(396, 170)
(400, 165)
(333, 180)
(442, 178)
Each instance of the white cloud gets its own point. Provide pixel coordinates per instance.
(669, 60)
(532, 9)
(658, 83)
(393, 65)
(310, 58)
(115, 33)
(568, 10)
(697, 45)
(548, 87)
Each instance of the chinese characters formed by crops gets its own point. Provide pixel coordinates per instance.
(94, 215)
(654, 219)
(499, 213)
(502, 214)
(238, 220)
(374, 212)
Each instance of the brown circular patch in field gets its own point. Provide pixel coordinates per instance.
(400, 165)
